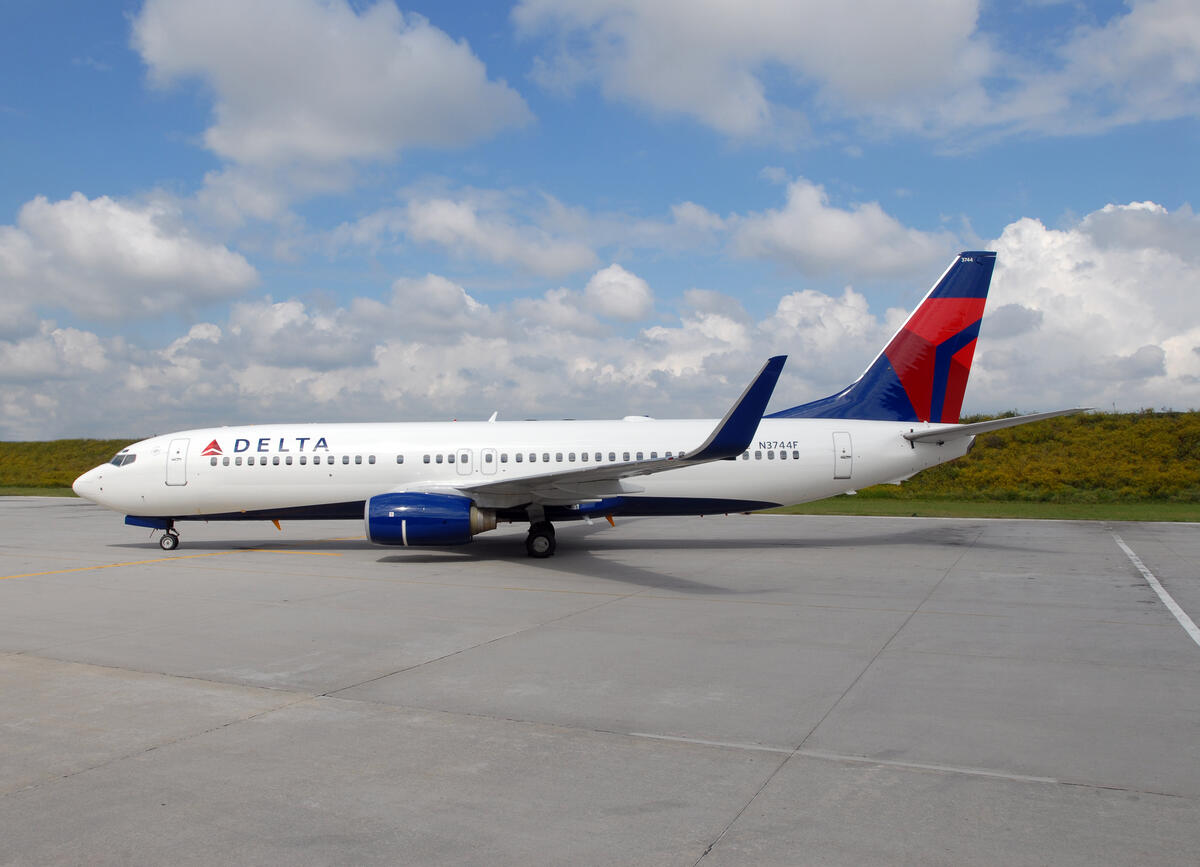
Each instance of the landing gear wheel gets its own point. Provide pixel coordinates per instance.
(169, 541)
(540, 541)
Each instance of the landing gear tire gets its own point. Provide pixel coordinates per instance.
(169, 541)
(540, 541)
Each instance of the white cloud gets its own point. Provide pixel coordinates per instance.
(1107, 312)
(817, 238)
(922, 66)
(709, 59)
(459, 226)
(619, 294)
(300, 81)
(1140, 66)
(1096, 313)
(107, 259)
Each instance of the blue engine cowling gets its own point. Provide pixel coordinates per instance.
(424, 519)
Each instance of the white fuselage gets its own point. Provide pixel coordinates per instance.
(263, 471)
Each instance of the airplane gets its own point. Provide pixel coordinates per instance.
(441, 483)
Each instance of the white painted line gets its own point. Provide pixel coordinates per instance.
(1186, 622)
(926, 766)
(861, 760)
(761, 748)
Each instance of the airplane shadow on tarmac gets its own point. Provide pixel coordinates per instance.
(581, 550)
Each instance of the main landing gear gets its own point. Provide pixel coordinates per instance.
(170, 539)
(540, 541)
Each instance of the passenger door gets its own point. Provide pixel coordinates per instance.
(177, 462)
(843, 456)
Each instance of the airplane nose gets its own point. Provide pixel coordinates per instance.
(87, 485)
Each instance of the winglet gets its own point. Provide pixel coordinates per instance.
(733, 435)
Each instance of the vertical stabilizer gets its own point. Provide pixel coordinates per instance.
(921, 375)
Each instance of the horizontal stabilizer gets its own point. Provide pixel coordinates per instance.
(957, 431)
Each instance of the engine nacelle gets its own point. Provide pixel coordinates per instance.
(424, 519)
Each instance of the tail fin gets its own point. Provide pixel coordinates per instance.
(922, 373)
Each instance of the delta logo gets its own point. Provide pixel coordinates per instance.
(266, 444)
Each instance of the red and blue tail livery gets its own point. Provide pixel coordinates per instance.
(921, 375)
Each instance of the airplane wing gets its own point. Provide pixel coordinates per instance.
(729, 438)
(946, 433)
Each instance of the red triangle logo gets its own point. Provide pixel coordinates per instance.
(213, 448)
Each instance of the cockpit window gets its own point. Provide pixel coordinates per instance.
(123, 459)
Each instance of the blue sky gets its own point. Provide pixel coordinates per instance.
(218, 212)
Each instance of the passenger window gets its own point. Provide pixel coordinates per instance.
(640, 455)
(288, 460)
(667, 455)
(504, 457)
(746, 456)
(626, 457)
(426, 458)
(275, 460)
(612, 456)
(303, 460)
(583, 456)
(757, 455)
(796, 455)
(653, 456)
(371, 459)
(546, 457)
(225, 462)
(518, 457)
(771, 454)
(213, 462)
(237, 461)
(558, 457)
(316, 460)
(438, 459)
(399, 459)
(450, 458)
(533, 457)
(782, 455)
(487, 459)
(250, 461)
(571, 457)
(358, 459)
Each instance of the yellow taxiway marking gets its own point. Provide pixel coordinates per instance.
(170, 559)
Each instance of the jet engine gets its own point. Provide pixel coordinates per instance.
(411, 519)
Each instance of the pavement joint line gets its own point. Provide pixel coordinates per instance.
(1060, 660)
(167, 560)
(333, 693)
(799, 747)
(301, 699)
(1186, 622)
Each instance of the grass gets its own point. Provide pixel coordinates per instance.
(30, 491)
(1134, 511)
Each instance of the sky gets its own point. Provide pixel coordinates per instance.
(219, 212)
